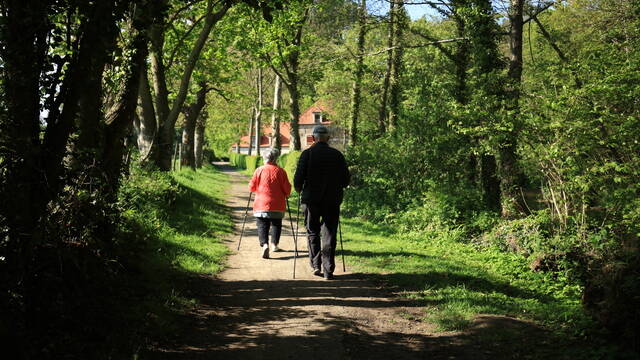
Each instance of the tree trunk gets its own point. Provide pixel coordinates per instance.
(510, 173)
(252, 122)
(23, 188)
(292, 62)
(357, 82)
(119, 118)
(161, 91)
(382, 113)
(292, 85)
(146, 125)
(167, 123)
(199, 141)
(275, 117)
(192, 113)
(490, 182)
(294, 104)
(396, 68)
(258, 110)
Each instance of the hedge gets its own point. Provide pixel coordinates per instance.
(252, 162)
(289, 162)
(238, 160)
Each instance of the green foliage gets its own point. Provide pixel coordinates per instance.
(238, 160)
(456, 281)
(252, 162)
(172, 226)
(289, 162)
(527, 236)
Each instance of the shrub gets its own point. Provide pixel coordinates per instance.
(289, 162)
(252, 162)
(238, 160)
(527, 236)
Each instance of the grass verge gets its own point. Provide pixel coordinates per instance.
(180, 220)
(457, 283)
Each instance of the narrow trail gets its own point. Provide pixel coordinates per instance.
(255, 310)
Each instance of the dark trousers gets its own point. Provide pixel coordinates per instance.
(263, 225)
(321, 221)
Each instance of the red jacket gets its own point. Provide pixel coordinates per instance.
(272, 187)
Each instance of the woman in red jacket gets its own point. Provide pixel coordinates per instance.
(272, 187)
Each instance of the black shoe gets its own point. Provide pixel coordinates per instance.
(317, 272)
(328, 276)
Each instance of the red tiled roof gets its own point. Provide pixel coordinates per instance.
(306, 118)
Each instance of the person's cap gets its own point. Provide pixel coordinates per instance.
(320, 130)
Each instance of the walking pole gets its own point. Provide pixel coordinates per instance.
(344, 267)
(295, 241)
(298, 216)
(245, 219)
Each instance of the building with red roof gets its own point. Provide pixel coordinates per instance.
(317, 114)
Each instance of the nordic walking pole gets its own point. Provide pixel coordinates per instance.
(344, 267)
(295, 241)
(298, 218)
(245, 219)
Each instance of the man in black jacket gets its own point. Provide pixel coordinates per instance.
(321, 177)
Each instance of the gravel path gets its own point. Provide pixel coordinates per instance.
(255, 310)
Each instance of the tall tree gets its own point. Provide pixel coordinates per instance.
(258, 113)
(275, 116)
(167, 115)
(359, 71)
(510, 174)
(191, 115)
(199, 139)
(384, 100)
(400, 18)
(279, 44)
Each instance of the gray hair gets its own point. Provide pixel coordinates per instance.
(271, 155)
(320, 133)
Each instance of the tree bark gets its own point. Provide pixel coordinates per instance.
(294, 103)
(510, 173)
(252, 122)
(275, 117)
(199, 141)
(192, 113)
(396, 65)
(146, 124)
(119, 118)
(382, 113)
(258, 110)
(357, 82)
(490, 182)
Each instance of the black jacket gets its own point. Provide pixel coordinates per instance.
(322, 174)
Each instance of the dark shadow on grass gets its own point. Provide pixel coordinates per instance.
(453, 277)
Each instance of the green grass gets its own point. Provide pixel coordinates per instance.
(180, 220)
(455, 281)
(197, 222)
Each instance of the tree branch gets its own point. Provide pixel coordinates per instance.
(437, 44)
(433, 43)
(181, 41)
(540, 10)
(180, 10)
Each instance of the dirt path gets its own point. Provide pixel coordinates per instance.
(255, 310)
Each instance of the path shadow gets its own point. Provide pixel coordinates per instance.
(257, 320)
